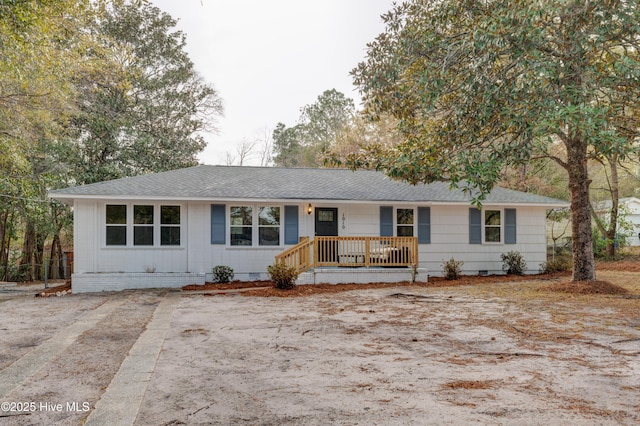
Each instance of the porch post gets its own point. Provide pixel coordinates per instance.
(367, 256)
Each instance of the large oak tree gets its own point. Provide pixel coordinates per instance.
(480, 85)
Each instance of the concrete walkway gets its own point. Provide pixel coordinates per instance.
(33, 361)
(120, 403)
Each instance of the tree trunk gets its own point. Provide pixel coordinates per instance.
(615, 199)
(583, 260)
(28, 249)
(4, 246)
(56, 266)
(38, 256)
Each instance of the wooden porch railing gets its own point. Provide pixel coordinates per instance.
(351, 251)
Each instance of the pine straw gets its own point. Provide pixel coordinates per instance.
(586, 287)
(266, 289)
(233, 285)
(470, 384)
(618, 265)
(51, 291)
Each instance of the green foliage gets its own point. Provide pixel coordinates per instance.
(601, 242)
(557, 264)
(283, 276)
(319, 126)
(222, 274)
(496, 86)
(478, 86)
(144, 109)
(89, 90)
(513, 263)
(452, 269)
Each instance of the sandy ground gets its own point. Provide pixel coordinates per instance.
(500, 354)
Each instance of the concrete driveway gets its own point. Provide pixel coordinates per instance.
(387, 356)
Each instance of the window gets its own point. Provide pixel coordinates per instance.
(404, 222)
(325, 215)
(254, 223)
(142, 225)
(116, 225)
(269, 226)
(492, 226)
(241, 226)
(169, 225)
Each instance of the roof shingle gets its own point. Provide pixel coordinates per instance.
(271, 183)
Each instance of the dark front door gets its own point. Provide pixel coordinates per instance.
(327, 226)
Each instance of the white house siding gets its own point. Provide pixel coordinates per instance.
(91, 254)
(248, 263)
(450, 239)
(633, 206)
(84, 234)
(196, 255)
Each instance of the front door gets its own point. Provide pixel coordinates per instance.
(327, 226)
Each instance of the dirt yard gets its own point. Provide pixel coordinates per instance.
(491, 351)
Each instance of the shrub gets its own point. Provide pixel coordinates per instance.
(222, 274)
(452, 269)
(559, 264)
(283, 276)
(513, 263)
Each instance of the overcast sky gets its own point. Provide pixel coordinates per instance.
(268, 59)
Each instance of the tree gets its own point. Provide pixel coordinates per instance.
(478, 86)
(319, 125)
(244, 151)
(287, 145)
(42, 45)
(144, 108)
(363, 132)
(260, 147)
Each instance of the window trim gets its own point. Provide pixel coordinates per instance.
(163, 226)
(484, 225)
(108, 226)
(255, 226)
(130, 226)
(413, 225)
(144, 226)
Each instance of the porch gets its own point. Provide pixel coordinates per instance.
(351, 252)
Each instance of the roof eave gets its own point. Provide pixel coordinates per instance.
(70, 199)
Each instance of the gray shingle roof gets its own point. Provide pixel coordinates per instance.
(272, 183)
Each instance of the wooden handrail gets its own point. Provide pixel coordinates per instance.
(352, 251)
(298, 256)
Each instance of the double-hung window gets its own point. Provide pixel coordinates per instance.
(492, 226)
(116, 225)
(269, 226)
(404, 222)
(241, 225)
(142, 225)
(170, 225)
(251, 224)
